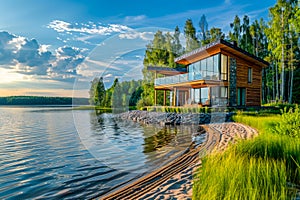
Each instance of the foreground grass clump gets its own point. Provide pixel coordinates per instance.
(266, 167)
(237, 176)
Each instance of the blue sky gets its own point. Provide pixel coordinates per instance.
(55, 48)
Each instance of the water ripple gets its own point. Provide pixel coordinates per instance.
(43, 157)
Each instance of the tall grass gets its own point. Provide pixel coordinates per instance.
(261, 168)
(237, 176)
(261, 122)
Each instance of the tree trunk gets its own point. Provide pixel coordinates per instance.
(282, 62)
(292, 76)
(277, 84)
(273, 82)
(263, 85)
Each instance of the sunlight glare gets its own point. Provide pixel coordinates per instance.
(8, 76)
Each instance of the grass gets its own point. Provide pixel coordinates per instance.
(260, 121)
(261, 168)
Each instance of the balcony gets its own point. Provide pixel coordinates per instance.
(180, 78)
(184, 78)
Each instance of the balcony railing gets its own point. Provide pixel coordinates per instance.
(182, 78)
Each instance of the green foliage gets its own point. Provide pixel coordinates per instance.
(161, 50)
(119, 96)
(109, 93)
(126, 94)
(97, 92)
(260, 168)
(289, 123)
(190, 36)
(40, 100)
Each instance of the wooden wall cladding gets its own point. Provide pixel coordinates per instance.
(253, 89)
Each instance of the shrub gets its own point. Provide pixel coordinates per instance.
(289, 122)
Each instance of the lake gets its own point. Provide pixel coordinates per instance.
(57, 153)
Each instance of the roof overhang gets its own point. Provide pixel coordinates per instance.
(217, 47)
(167, 71)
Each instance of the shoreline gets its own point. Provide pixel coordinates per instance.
(174, 180)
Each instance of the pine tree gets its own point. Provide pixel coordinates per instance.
(190, 36)
(203, 29)
(177, 47)
(236, 28)
(97, 92)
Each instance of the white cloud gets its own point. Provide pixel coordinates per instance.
(16, 43)
(43, 48)
(90, 28)
(135, 18)
(137, 35)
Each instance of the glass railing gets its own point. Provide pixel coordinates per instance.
(182, 78)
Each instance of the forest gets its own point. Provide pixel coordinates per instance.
(276, 41)
(39, 100)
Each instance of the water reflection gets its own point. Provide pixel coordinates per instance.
(130, 146)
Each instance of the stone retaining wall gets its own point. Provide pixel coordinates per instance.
(163, 118)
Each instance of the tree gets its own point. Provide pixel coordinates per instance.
(203, 29)
(177, 47)
(213, 34)
(109, 93)
(97, 92)
(282, 37)
(246, 36)
(190, 36)
(236, 28)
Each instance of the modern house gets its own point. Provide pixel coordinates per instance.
(218, 74)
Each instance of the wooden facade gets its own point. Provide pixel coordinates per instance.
(239, 86)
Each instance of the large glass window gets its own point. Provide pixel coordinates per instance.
(212, 68)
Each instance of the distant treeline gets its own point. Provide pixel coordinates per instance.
(40, 100)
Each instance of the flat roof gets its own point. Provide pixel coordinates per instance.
(216, 47)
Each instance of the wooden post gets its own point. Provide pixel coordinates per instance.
(175, 95)
(165, 97)
(155, 97)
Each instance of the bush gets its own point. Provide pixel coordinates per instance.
(289, 122)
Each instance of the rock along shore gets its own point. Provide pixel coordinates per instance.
(164, 118)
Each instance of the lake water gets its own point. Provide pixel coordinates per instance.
(56, 153)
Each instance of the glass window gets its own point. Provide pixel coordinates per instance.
(224, 67)
(241, 96)
(191, 72)
(216, 63)
(224, 92)
(249, 75)
(204, 96)
(197, 95)
(203, 65)
(209, 64)
(208, 75)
